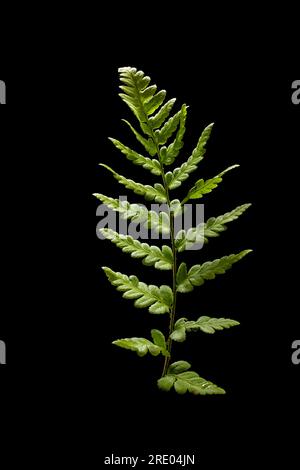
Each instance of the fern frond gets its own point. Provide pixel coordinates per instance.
(215, 225)
(155, 102)
(147, 143)
(163, 135)
(205, 324)
(142, 345)
(150, 193)
(158, 299)
(175, 178)
(150, 164)
(134, 83)
(187, 381)
(138, 213)
(160, 222)
(156, 121)
(202, 187)
(210, 229)
(168, 154)
(141, 97)
(153, 255)
(198, 274)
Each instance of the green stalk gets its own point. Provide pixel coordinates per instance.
(174, 267)
(173, 247)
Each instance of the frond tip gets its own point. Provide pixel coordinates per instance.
(139, 95)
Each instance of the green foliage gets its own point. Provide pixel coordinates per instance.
(205, 324)
(138, 213)
(211, 229)
(215, 225)
(161, 134)
(151, 255)
(158, 119)
(158, 192)
(150, 164)
(176, 177)
(168, 154)
(168, 129)
(142, 346)
(158, 299)
(183, 380)
(202, 187)
(146, 142)
(198, 274)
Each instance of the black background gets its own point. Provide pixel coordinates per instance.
(60, 320)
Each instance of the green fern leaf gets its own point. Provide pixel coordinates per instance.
(156, 121)
(118, 205)
(159, 222)
(175, 178)
(153, 256)
(182, 279)
(163, 135)
(166, 383)
(168, 154)
(210, 229)
(141, 97)
(188, 381)
(150, 193)
(147, 143)
(186, 239)
(158, 299)
(155, 102)
(214, 226)
(198, 274)
(136, 212)
(179, 367)
(142, 346)
(179, 332)
(160, 341)
(205, 324)
(152, 165)
(134, 83)
(204, 187)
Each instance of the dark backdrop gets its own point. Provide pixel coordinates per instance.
(59, 350)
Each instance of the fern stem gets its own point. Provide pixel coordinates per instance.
(173, 247)
(173, 310)
(174, 252)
